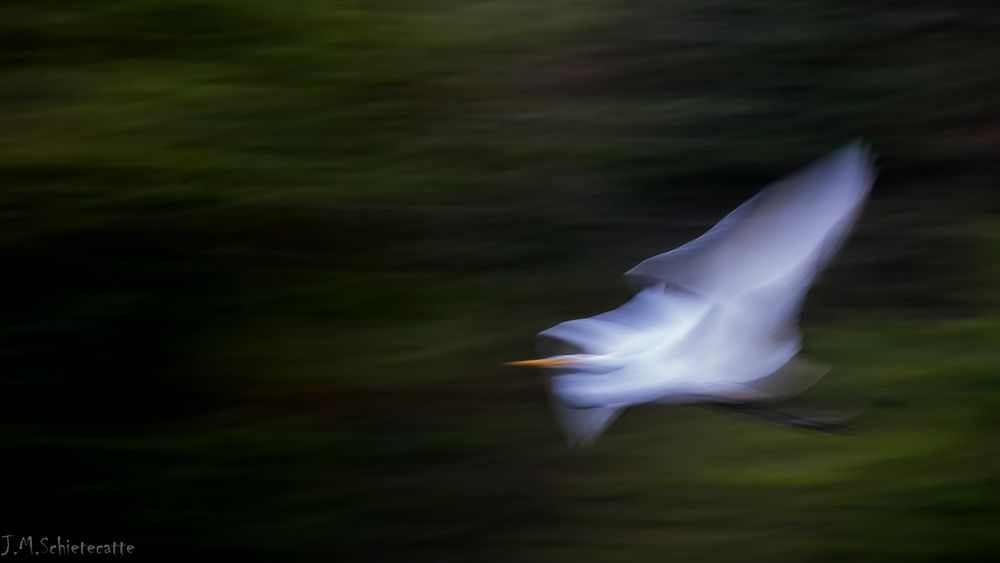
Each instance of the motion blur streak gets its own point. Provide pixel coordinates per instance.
(263, 263)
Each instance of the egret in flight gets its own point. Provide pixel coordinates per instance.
(715, 320)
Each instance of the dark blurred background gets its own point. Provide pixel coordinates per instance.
(262, 261)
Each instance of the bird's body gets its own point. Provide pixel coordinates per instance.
(714, 320)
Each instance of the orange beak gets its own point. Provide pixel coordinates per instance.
(543, 363)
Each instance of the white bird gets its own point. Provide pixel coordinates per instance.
(715, 320)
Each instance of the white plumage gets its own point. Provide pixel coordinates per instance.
(714, 320)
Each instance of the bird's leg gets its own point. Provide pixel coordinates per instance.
(766, 412)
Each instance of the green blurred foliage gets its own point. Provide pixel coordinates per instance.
(263, 262)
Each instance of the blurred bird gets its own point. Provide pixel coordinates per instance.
(715, 320)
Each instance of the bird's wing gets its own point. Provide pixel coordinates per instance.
(781, 237)
(583, 426)
(757, 264)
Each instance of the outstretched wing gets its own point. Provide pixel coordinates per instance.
(778, 239)
(757, 264)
